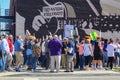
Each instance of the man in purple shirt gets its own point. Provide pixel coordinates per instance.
(55, 52)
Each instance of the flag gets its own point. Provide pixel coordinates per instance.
(94, 35)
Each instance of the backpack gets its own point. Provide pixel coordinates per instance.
(37, 50)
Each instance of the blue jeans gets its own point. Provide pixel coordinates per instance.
(28, 60)
(5, 61)
(117, 54)
(25, 59)
(1, 64)
(34, 62)
(43, 61)
(105, 58)
(82, 61)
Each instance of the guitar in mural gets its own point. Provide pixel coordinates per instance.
(48, 17)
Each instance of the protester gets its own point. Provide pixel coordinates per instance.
(111, 50)
(5, 52)
(18, 53)
(64, 52)
(55, 52)
(10, 58)
(55, 49)
(76, 40)
(97, 54)
(36, 50)
(47, 53)
(1, 56)
(43, 55)
(105, 55)
(87, 53)
(117, 52)
(81, 55)
(29, 53)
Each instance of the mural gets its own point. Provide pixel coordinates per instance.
(47, 17)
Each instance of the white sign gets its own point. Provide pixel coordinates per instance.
(53, 11)
(69, 29)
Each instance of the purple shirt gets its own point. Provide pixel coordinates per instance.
(55, 47)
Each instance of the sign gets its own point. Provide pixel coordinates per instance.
(69, 29)
(53, 11)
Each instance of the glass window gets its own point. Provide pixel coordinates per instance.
(4, 7)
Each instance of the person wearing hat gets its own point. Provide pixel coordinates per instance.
(64, 43)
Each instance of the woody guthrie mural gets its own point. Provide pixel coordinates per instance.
(47, 17)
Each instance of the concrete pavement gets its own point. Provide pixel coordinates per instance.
(46, 75)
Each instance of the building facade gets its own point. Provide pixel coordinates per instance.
(48, 17)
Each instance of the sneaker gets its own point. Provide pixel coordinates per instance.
(82, 69)
(71, 71)
(51, 71)
(32, 70)
(113, 69)
(57, 71)
(66, 71)
(10, 69)
(4, 71)
(17, 70)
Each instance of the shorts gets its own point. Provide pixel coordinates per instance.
(97, 56)
(10, 56)
(87, 60)
(19, 56)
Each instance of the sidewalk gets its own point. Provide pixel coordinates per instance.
(46, 73)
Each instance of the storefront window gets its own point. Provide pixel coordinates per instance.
(4, 21)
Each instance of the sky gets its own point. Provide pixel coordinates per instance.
(4, 4)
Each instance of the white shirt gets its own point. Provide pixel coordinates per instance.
(87, 50)
(117, 49)
(43, 48)
(111, 50)
(4, 45)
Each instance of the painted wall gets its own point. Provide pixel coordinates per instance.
(46, 17)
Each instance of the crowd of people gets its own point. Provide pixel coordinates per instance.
(54, 54)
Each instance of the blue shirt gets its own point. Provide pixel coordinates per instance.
(17, 45)
(29, 48)
(105, 47)
(71, 46)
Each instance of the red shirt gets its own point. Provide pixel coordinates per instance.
(10, 44)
